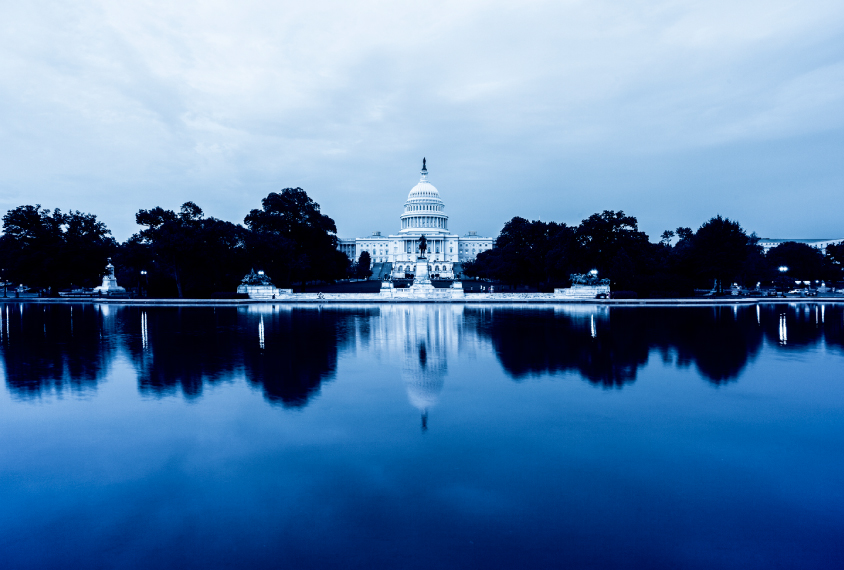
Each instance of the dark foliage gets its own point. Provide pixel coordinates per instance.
(804, 262)
(544, 255)
(51, 250)
(293, 241)
(362, 267)
(197, 256)
(185, 254)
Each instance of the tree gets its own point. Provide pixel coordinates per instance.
(804, 262)
(685, 234)
(562, 256)
(49, 249)
(364, 264)
(720, 248)
(305, 238)
(519, 254)
(200, 255)
(835, 253)
(612, 243)
(87, 246)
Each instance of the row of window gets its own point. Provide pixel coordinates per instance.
(423, 207)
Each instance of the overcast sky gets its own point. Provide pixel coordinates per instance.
(672, 111)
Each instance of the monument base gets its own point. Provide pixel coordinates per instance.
(264, 291)
(109, 287)
(422, 276)
(579, 291)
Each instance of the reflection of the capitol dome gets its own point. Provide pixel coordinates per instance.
(423, 377)
(425, 334)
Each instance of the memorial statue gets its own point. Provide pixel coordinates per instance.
(109, 286)
(423, 164)
(423, 246)
(587, 279)
(259, 278)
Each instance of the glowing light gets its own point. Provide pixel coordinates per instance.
(261, 333)
(144, 337)
(783, 330)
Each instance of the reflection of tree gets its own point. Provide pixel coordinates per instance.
(287, 353)
(797, 327)
(51, 347)
(537, 341)
(186, 348)
(608, 348)
(719, 340)
(299, 352)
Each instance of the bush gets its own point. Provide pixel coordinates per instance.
(624, 295)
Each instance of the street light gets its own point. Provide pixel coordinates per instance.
(3, 277)
(594, 272)
(144, 275)
(783, 269)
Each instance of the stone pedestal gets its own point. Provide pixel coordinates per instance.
(422, 275)
(109, 286)
(387, 289)
(422, 286)
(579, 291)
(258, 291)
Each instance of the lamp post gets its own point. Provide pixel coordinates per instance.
(783, 269)
(144, 276)
(3, 277)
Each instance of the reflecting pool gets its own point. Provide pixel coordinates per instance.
(421, 436)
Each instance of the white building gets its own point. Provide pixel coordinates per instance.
(424, 214)
(768, 243)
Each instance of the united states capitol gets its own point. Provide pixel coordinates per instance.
(395, 255)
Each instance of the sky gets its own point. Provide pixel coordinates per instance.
(672, 111)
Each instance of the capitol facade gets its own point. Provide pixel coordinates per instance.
(395, 255)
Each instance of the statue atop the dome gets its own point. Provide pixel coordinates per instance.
(423, 245)
(423, 164)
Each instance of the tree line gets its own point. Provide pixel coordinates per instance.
(719, 252)
(184, 253)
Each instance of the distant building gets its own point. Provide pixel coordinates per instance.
(424, 214)
(769, 243)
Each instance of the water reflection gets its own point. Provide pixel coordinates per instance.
(295, 350)
(52, 348)
(289, 352)
(605, 346)
(427, 337)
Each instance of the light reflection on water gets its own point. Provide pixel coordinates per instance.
(422, 436)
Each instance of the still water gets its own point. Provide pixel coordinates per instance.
(422, 436)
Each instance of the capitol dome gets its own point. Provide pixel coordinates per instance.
(424, 210)
(424, 191)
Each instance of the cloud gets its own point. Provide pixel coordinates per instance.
(113, 106)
